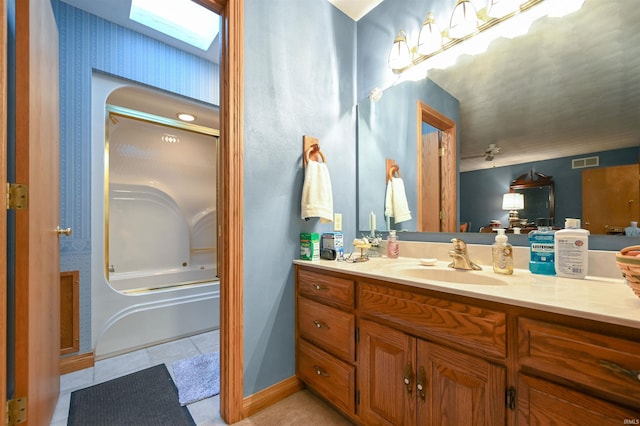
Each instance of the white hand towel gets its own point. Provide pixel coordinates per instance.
(395, 203)
(317, 198)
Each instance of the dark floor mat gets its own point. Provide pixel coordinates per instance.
(147, 397)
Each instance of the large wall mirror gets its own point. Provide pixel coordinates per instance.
(566, 90)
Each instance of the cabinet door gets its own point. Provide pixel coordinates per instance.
(386, 375)
(544, 403)
(458, 389)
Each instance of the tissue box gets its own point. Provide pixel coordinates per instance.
(333, 241)
(309, 246)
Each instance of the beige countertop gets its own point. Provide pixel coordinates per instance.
(604, 299)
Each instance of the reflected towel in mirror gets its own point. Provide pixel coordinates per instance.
(317, 198)
(395, 204)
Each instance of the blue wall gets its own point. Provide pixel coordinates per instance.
(299, 59)
(88, 43)
(481, 190)
(299, 79)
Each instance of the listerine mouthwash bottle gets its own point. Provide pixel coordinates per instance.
(541, 244)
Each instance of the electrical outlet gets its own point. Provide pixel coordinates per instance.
(337, 221)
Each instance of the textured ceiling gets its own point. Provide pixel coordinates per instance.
(571, 86)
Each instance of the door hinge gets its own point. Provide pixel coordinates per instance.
(17, 198)
(441, 214)
(441, 152)
(510, 398)
(16, 411)
(358, 334)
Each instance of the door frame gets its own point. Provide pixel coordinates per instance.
(3, 211)
(447, 196)
(231, 330)
(232, 212)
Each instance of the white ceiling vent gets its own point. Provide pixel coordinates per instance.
(581, 163)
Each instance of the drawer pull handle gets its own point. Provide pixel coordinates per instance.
(320, 287)
(421, 379)
(320, 324)
(320, 371)
(634, 374)
(408, 377)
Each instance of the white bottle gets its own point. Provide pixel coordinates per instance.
(502, 254)
(571, 247)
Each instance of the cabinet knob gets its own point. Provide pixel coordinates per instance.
(421, 380)
(320, 324)
(320, 371)
(319, 287)
(408, 377)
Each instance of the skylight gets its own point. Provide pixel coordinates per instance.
(180, 19)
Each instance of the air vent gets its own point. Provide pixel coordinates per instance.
(581, 163)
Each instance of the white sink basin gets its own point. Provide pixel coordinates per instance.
(438, 273)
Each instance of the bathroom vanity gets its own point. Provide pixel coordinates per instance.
(391, 342)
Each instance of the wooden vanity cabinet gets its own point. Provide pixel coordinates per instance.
(595, 371)
(404, 380)
(391, 354)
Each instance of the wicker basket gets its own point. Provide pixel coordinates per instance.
(628, 261)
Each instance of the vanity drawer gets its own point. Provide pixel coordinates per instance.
(327, 327)
(607, 364)
(459, 324)
(327, 375)
(325, 288)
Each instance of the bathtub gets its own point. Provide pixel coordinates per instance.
(138, 317)
(137, 282)
(160, 290)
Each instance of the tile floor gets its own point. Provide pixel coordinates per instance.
(204, 413)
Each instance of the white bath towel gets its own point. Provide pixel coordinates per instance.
(395, 203)
(317, 198)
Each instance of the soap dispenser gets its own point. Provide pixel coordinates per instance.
(502, 254)
(393, 248)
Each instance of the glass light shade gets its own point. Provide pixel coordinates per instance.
(400, 55)
(500, 8)
(513, 201)
(560, 8)
(464, 19)
(430, 38)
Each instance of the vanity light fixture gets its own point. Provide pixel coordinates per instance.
(400, 55)
(466, 23)
(185, 116)
(430, 38)
(464, 20)
(513, 201)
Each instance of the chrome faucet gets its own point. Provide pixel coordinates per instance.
(461, 257)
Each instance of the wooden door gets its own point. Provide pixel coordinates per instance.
(610, 198)
(544, 403)
(429, 197)
(37, 273)
(386, 377)
(459, 389)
